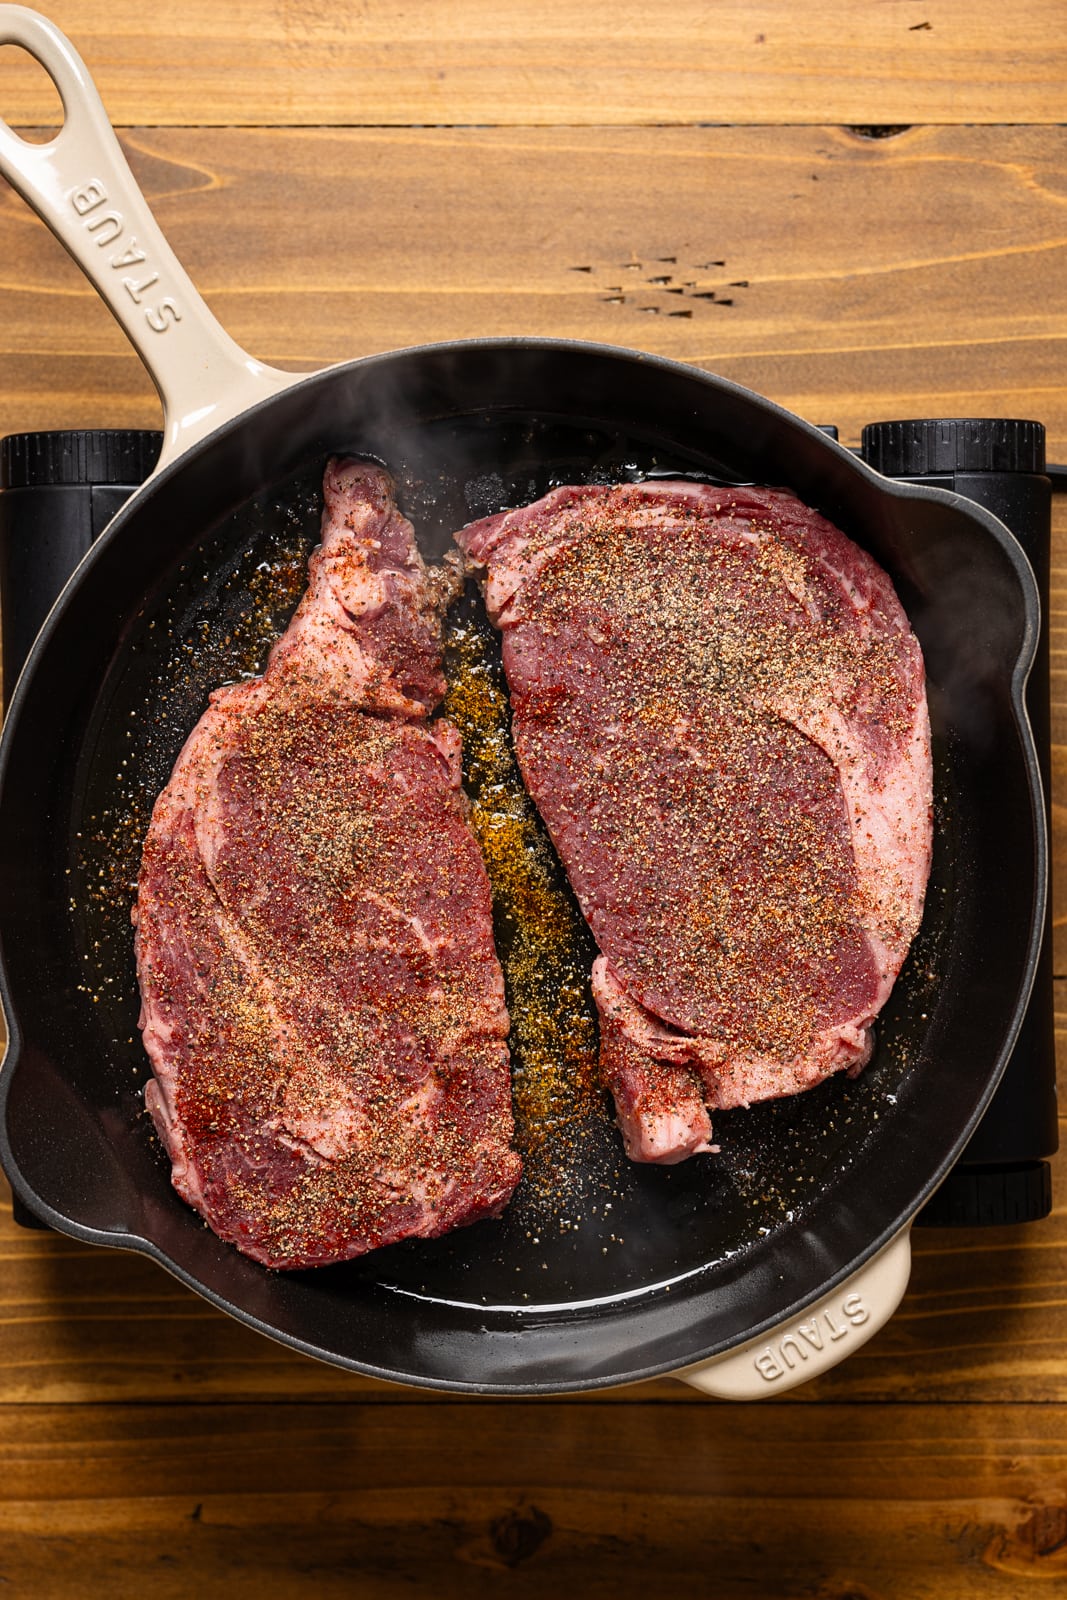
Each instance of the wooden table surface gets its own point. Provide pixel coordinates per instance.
(865, 205)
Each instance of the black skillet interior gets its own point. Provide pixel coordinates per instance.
(600, 1272)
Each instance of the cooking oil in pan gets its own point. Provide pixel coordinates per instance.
(545, 949)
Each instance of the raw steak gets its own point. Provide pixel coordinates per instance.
(322, 1005)
(718, 707)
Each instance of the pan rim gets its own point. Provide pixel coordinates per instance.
(1020, 672)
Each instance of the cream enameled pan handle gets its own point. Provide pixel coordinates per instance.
(80, 185)
(825, 1334)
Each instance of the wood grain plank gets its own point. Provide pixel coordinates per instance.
(845, 1503)
(293, 62)
(851, 278)
(896, 276)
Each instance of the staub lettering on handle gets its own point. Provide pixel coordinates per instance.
(108, 227)
(806, 1338)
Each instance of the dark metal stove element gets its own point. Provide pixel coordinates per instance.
(999, 463)
(58, 491)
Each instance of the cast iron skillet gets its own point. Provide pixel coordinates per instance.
(608, 1272)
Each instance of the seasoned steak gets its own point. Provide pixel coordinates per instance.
(718, 707)
(322, 1004)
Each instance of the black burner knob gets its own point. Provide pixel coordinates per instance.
(78, 456)
(930, 446)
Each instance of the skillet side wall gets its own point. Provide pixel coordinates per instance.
(68, 1139)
